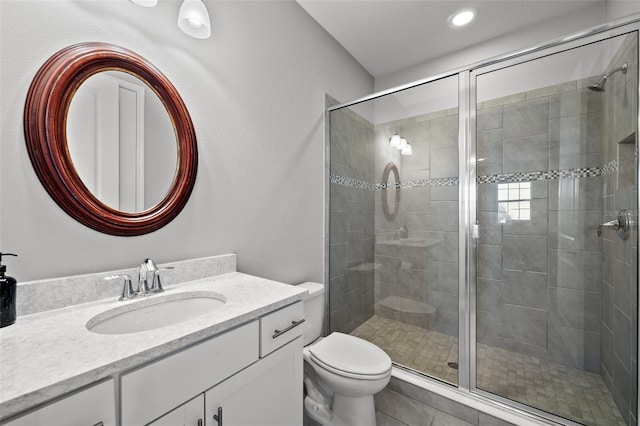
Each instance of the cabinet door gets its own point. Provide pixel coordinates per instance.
(188, 414)
(152, 390)
(92, 406)
(267, 393)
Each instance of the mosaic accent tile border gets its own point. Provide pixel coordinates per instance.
(449, 181)
(610, 168)
(585, 172)
(354, 183)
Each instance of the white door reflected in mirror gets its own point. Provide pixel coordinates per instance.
(121, 141)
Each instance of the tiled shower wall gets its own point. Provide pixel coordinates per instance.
(426, 267)
(618, 355)
(537, 279)
(351, 223)
(427, 270)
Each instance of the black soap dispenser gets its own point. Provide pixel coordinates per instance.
(7, 295)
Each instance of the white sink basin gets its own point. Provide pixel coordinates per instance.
(155, 312)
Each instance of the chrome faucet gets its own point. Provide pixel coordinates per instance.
(143, 283)
(151, 272)
(127, 289)
(148, 271)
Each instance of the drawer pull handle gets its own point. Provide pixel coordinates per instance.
(218, 417)
(278, 333)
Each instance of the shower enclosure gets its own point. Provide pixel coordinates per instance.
(483, 227)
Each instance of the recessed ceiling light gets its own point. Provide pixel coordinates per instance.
(462, 17)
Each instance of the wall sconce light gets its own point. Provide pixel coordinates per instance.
(193, 19)
(394, 141)
(145, 3)
(401, 144)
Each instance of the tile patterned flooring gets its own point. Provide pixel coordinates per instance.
(571, 393)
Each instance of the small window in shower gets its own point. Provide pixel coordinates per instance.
(514, 201)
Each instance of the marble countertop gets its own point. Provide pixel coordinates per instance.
(45, 355)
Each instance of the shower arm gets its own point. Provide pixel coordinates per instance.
(622, 68)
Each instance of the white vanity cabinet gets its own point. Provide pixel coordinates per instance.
(268, 393)
(188, 414)
(89, 407)
(253, 374)
(154, 389)
(245, 352)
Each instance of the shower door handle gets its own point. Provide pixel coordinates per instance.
(475, 231)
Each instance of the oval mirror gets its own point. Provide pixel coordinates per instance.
(110, 139)
(390, 192)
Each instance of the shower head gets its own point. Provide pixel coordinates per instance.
(599, 86)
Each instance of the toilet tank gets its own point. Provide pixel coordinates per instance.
(313, 308)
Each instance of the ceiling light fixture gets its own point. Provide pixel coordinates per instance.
(193, 19)
(462, 17)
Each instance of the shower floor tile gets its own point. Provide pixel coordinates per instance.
(575, 394)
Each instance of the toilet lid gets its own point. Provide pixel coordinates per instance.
(351, 354)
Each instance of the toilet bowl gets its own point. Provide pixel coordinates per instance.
(342, 372)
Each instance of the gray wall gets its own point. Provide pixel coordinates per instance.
(618, 352)
(255, 91)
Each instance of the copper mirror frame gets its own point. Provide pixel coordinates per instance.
(45, 114)
(388, 213)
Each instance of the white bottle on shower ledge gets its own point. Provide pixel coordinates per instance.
(404, 232)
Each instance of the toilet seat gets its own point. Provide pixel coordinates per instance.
(350, 356)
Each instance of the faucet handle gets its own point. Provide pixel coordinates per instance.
(143, 283)
(127, 289)
(156, 286)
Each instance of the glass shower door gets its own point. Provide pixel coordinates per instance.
(556, 291)
(393, 225)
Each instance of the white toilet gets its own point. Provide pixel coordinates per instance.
(342, 372)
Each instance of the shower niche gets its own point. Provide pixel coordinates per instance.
(627, 160)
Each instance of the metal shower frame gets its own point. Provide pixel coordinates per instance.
(467, 75)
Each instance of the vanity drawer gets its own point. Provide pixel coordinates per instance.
(156, 388)
(92, 406)
(280, 327)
